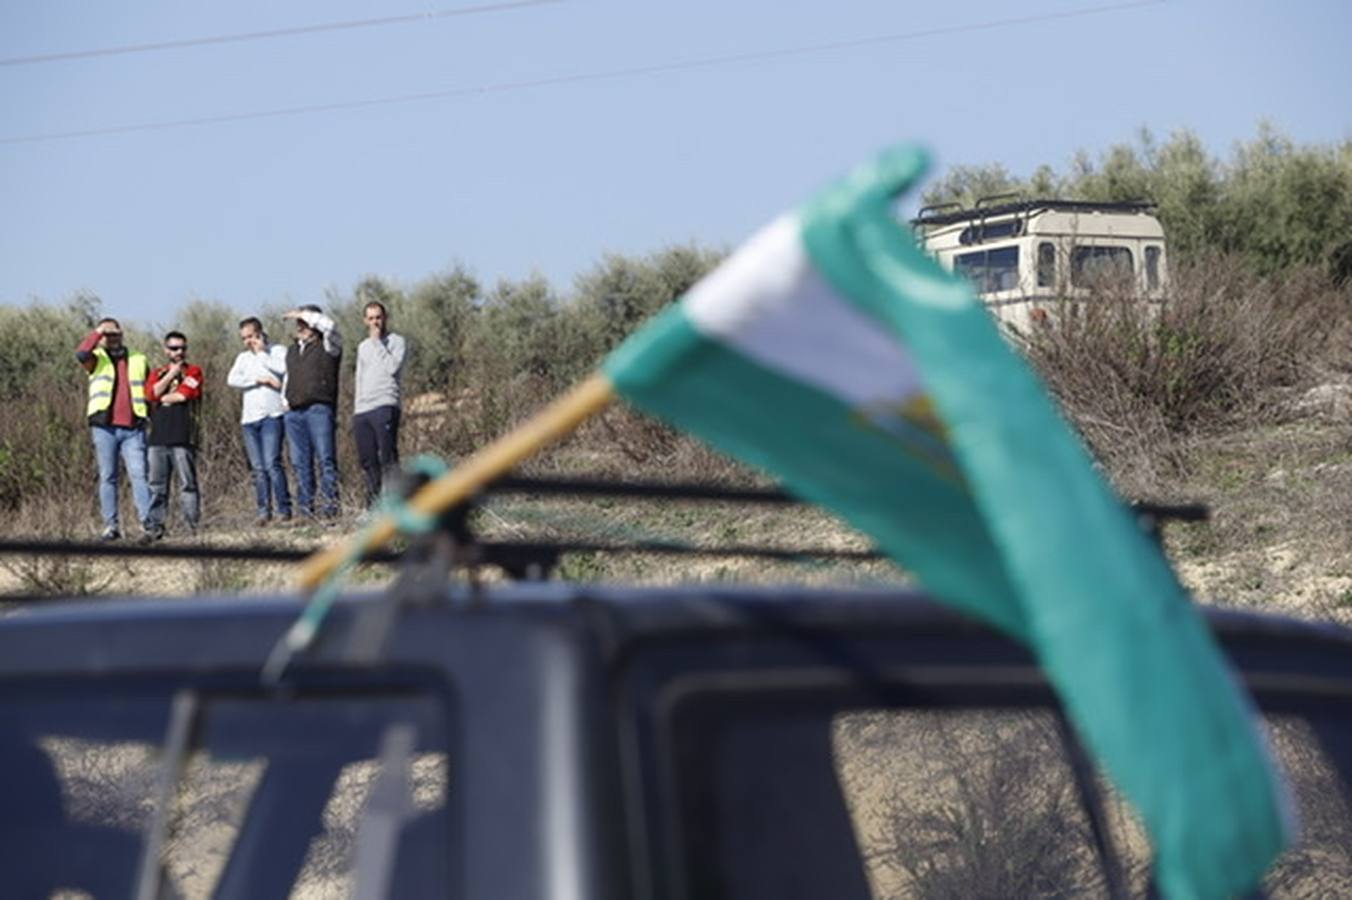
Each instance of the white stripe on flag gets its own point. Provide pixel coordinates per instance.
(768, 303)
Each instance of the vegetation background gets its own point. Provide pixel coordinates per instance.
(1237, 393)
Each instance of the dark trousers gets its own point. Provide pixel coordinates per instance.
(377, 435)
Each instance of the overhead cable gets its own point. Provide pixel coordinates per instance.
(316, 28)
(578, 78)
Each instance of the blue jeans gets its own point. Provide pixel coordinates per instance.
(309, 433)
(263, 443)
(182, 461)
(111, 441)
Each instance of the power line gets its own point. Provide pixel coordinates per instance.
(273, 33)
(605, 75)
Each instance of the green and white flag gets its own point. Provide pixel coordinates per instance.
(832, 353)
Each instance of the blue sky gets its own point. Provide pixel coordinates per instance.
(515, 180)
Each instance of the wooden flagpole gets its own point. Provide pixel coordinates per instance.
(553, 422)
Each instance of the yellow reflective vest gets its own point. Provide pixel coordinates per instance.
(104, 375)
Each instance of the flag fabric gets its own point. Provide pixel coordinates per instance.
(831, 352)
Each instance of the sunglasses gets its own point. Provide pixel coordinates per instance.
(172, 348)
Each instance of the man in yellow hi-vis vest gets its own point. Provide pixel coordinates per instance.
(117, 414)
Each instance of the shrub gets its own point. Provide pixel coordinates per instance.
(1134, 375)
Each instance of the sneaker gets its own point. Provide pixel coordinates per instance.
(262, 521)
(110, 534)
(151, 536)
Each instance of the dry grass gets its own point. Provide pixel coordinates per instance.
(1281, 528)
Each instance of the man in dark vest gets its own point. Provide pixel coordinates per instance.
(311, 391)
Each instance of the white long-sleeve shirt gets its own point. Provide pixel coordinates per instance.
(261, 401)
(379, 365)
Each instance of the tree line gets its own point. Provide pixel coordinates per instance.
(487, 355)
(484, 355)
(1274, 203)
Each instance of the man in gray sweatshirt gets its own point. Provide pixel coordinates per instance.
(375, 420)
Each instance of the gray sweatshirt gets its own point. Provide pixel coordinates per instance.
(379, 364)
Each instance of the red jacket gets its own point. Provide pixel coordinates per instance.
(175, 424)
(189, 383)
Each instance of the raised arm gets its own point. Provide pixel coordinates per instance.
(84, 353)
(160, 382)
(327, 328)
(388, 355)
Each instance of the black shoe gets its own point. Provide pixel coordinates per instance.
(110, 534)
(151, 535)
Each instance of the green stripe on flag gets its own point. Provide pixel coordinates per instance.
(804, 435)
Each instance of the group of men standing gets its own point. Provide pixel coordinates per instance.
(148, 419)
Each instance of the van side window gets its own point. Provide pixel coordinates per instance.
(1046, 264)
(1090, 264)
(990, 270)
(1152, 268)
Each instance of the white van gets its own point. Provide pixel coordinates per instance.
(1022, 255)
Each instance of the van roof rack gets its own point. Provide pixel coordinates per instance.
(940, 214)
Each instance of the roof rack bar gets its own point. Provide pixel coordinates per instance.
(936, 207)
(1030, 205)
(492, 552)
(987, 201)
(664, 490)
(254, 552)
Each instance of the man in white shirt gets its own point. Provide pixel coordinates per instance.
(258, 372)
(375, 412)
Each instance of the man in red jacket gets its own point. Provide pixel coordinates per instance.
(175, 392)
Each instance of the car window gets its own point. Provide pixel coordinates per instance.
(967, 803)
(990, 270)
(1046, 264)
(270, 797)
(1090, 265)
(1152, 267)
(785, 797)
(954, 801)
